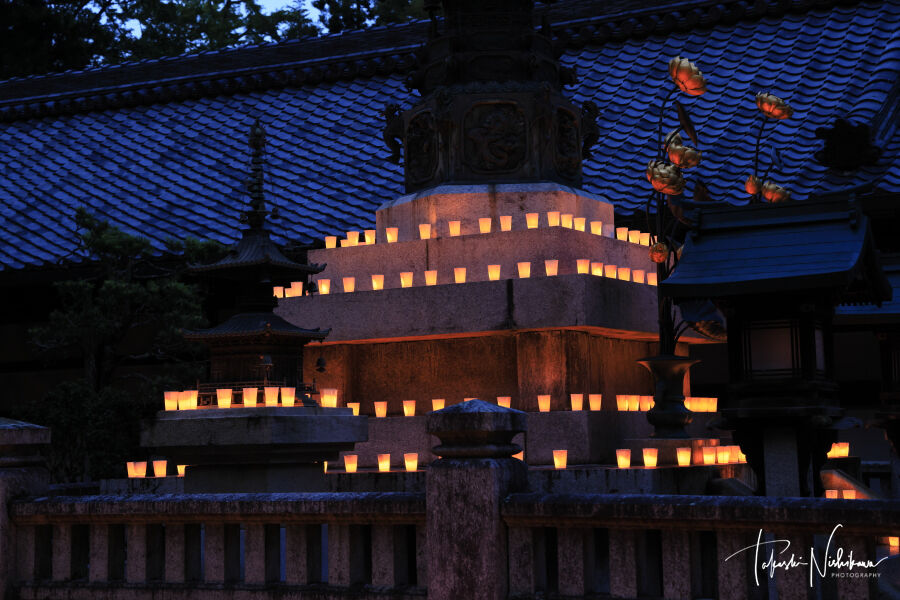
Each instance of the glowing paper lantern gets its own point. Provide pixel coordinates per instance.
(454, 227)
(425, 231)
(504, 401)
(411, 461)
(624, 273)
(505, 223)
(594, 401)
(894, 545)
(579, 223)
(623, 458)
(384, 463)
(349, 284)
(223, 398)
(381, 409)
(278, 291)
(519, 455)
(551, 267)
(637, 276)
(709, 455)
(187, 400)
(493, 272)
(577, 401)
(297, 288)
(431, 277)
(354, 406)
(644, 403)
(634, 236)
(597, 269)
(723, 455)
(350, 461)
(181, 469)
(844, 449)
(621, 402)
(370, 237)
(583, 265)
(437, 404)
(406, 279)
(377, 282)
(831, 494)
(651, 278)
(409, 408)
(484, 225)
(288, 396)
(622, 234)
(159, 468)
(610, 271)
(171, 400)
(328, 397)
(645, 239)
(139, 469)
(560, 457)
(248, 396)
(566, 220)
(391, 234)
(741, 456)
(353, 238)
(459, 274)
(531, 220)
(331, 241)
(345, 244)
(650, 456)
(324, 466)
(271, 396)
(324, 286)
(544, 403)
(848, 494)
(597, 227)
(553, 218)
(683, 455)
(524, 269)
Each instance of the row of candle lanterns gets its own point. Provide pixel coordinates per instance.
(138, 469)
(187, 400)
(709, 455)
(410, 462)
(839, 450)
(486, 225)
(845, 494)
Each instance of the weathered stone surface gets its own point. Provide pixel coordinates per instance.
(635, 480)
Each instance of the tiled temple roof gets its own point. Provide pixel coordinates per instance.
(158, 147)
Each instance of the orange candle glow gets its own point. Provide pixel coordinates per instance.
(139, 469)
(634, 402)
(354, 406)
(181, 469)
(741, 456)
(425, 231)
(349, 284)
(484, 225)
(634, 236)
(288, 396)
(645, 239)
(833, 494)
(409, 408)
(271, 396)
(894, 545)
(610, 271)
(437, 404)
(551, 267)
(331, 241)
(524, 270)
(278, 291)
(454, 227)
(328, 397)
(650, 456)
(544, 403)
(844, 449)
(848, 494)
(223, 398)
(579, 223)
(597, 269)
(644, 403)
(519, 455)
(560, 457)
(709, 455)
(623, 458)
(683, 455)
(411, 461)
(384, 463)
(381, 409)
(391, 234)
(493, 272)
(297, 288)
(597, 227)
(577, 401)
(621, 402)
(531, 220)
(566, 220)
(350, 461)
(622, 234)
(248, 396)
(431, 277)
(637, 276)
(406, 279)
(583, 265)
(159, 468)
(504, 401)
(353, 238)
(595, 401)
(624, 273)
(553, 218)
(370, 237)
(506, 223)
(459, 274)
(377, 282)
(651, 278)
(723, 455)
(171, 400)
(324, 286)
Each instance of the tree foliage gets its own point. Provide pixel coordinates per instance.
(336, 16)
(131, 308)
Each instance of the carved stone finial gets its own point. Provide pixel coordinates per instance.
(256, 216)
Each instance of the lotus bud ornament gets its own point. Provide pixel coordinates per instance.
(665, 178)
(687, 76)
(752, 185)
(683, 157)
(772, 106)
(659, 252)
(773, 192)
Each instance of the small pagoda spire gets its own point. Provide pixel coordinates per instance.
(256, 215)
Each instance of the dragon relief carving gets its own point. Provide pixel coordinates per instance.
(495, 137)
(393, 132)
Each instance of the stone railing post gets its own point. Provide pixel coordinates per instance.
(466, 537)
(22, 472)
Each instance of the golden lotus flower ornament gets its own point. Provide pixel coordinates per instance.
(665, 178)
(773, 192)
(772, 106)
(683, 157)
(659, 252)
(752, 185)
(687, 76)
